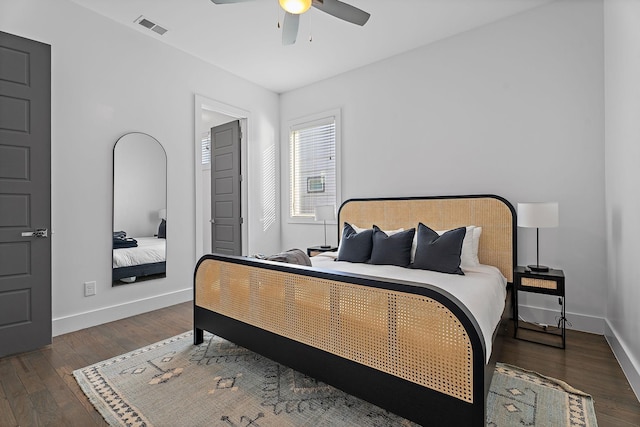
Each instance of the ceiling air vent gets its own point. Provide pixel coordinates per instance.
(150, 25)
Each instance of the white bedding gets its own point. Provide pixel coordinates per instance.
(149, 250)
(482, 289)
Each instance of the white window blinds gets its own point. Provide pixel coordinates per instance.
(312, 162)
(206, 148)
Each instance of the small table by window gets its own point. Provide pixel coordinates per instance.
(315, 250)
(549, 283)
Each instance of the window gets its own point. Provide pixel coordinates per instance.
(313, 164)
(206, 149)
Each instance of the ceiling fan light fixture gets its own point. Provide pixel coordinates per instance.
(295, 7)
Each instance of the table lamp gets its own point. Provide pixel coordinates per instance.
(325, 213)
(538, 215)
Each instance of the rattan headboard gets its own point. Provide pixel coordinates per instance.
(494, 214)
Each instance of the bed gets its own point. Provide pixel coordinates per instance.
(146, 259)
(412, 348)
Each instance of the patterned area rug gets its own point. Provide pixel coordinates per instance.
(174, 383)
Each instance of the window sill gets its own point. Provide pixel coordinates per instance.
(309, 221)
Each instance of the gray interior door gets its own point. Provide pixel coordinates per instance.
(25, 194)
(226, 237)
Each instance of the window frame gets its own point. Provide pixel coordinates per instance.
(301, 122)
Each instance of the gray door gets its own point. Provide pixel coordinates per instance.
(226, 218)
(25, 194)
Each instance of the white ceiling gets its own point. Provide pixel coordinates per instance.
(244, 39)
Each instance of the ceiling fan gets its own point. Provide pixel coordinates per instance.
(294, 8)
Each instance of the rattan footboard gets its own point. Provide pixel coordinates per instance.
(371, 330)
(412, 349)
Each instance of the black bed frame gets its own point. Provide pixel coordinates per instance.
(139, 270)
(405, 398)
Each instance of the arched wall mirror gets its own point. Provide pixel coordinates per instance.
(139, 209)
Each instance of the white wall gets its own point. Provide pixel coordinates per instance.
(513, 108)
(108, 80)
(622, 106)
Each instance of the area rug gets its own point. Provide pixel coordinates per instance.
(174, 383)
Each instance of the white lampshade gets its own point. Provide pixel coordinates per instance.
(538, 215)
(162, 213)
(325, 213)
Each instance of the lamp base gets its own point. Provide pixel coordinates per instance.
(538, 268)
(325, 246)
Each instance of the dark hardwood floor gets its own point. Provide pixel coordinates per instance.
(38, 388)
(587, 364)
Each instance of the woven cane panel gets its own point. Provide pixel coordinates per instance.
(268, 300)
(539, 283)
(495, 218)
(207, 283)
(425, 324)
(406, 335)
(362, 329)
(309, 315)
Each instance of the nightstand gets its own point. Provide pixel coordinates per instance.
(549, 283)
(315, 250)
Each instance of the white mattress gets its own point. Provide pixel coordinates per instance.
(482, 289)
(149, 250)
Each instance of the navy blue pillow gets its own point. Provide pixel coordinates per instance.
(392, 250)
(162, 230)
(439, 253)
(355, 247)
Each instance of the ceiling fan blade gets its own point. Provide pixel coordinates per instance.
(342, 10)
(290, 28)
(228, 1)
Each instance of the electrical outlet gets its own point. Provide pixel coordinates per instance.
(89, 289)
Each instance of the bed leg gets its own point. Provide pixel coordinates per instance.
(198, 336)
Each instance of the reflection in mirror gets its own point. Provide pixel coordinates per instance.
(139, 209)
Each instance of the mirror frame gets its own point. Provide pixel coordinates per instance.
(152, 270)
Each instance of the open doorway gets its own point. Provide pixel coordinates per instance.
(211, 120)
(210, 113)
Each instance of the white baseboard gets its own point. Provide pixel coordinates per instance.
(630, 367)
(576, 321)
(75, 322)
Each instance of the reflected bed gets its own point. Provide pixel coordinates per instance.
(148, 258)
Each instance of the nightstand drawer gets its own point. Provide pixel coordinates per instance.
(316, 250)
(549, 282)
(539, 283)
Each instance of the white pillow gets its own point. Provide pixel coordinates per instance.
(387, 232)
(469, 254)
(477, 231)
(358, 229)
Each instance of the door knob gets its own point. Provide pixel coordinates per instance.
(39, 232)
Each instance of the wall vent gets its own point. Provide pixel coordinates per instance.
(150, 25)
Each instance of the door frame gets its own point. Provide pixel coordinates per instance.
(204, 103)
